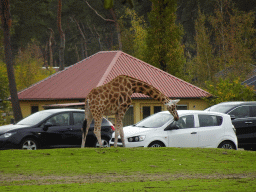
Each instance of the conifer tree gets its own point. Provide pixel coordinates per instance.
(164, 49)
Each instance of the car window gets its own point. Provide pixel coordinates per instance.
(60, 119)
(34, 118)
(104, 122)
(78, 118)
(209, 120)
(253, 111)
(185, 122)
(220, 108)
(240, 112)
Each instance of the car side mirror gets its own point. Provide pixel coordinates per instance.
(232, 117)
(47, 125)
(172, 126)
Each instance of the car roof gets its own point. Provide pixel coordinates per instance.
(187, 112)
(62, 110)
(237, 103)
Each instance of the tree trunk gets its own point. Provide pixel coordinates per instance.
(117, 28)
(62, 38)
(50, 48)
(6, 25)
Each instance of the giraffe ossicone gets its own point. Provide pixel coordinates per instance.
(114, 98)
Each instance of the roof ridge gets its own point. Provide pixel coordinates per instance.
(105, 75)
(168, 74)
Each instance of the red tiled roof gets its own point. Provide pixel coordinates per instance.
(76, 81)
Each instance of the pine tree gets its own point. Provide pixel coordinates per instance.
(164, 49)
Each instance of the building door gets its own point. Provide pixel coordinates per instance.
(129, 117)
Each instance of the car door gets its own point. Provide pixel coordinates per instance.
(209, 131)
(253, 124)
(75, 133)
(243, 123)
(58, 133)
(184, 134)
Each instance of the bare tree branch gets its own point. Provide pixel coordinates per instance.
(98, 13)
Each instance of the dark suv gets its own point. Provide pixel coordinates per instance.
(243, 115)
(52, 128)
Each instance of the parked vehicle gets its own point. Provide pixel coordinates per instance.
(193, 129)
(52, 128)
(243, 115)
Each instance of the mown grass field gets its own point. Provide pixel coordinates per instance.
(124, 169)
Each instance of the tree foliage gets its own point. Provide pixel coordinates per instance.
(134, 36)
(234, 39)
(5, 106)
(226, 90)
(1, 44)
(225, 44)
(218, 36)
(164, 49)
(29, 67)
(4, 89)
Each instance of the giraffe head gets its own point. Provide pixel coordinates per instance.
(172, 108)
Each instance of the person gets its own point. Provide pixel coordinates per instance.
(60, 120)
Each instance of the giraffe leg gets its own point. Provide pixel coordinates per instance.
(116, 136)
(122, 136)
(85, 132)
(119, 124)
(86, 126)
(97, 130)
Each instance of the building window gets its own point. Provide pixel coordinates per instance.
(129, 117)
(157, 109)
(182, 107)
(145, 111)
(34, 109)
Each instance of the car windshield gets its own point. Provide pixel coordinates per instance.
(34, 118)
(220, 108)
(155, 121)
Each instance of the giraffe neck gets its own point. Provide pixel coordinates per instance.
(147, 89)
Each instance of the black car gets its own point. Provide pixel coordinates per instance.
(243, 115)
(53, 128)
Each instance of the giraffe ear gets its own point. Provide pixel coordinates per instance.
(173, 102)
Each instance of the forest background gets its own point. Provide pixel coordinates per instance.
(210, 44)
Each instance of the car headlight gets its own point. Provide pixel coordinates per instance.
(6, 135)
(137, 138)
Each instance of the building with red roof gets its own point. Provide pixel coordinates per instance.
(72, 85)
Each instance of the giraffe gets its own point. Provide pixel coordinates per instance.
(114, 98)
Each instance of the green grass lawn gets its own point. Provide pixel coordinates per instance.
(128, 169)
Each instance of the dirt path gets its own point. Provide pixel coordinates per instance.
(44, 180)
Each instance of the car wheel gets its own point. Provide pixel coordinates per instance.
(156, 144)
(29, 144)
(104, 143)
(226, 145)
